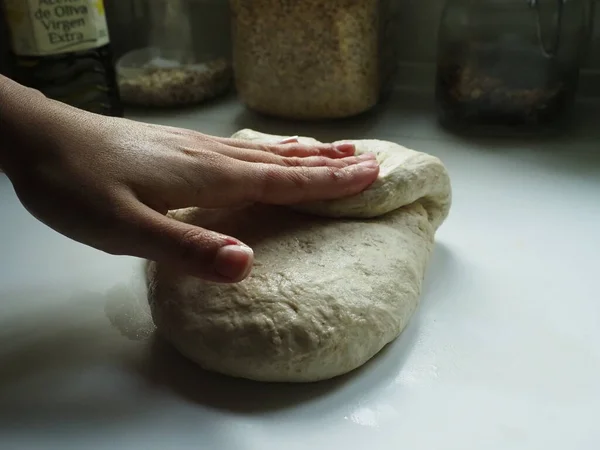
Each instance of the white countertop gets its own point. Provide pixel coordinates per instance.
(504, 352)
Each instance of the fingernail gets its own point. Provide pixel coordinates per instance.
(290, 140)
(234, 261)
(345, 148)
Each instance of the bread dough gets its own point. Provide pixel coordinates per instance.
(325, 294)
(405, 176)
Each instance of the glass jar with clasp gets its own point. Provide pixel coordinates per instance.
(512, 64)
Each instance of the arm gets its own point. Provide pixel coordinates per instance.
(16, 106)
(108, 182)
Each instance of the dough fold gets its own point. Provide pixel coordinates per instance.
(333, 282)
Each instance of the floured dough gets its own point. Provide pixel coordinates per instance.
(329, 288)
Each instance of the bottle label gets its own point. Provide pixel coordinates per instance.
(50, 27)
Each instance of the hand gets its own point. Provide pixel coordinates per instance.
(108, 182)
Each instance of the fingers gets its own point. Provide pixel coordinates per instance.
(187, 248)
(271, 158)
(214, 180)
(291, 148)
(300, 150)
(322, 161)
(288, 185)
(288, 147)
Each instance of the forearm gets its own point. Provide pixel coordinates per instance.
(26, 117)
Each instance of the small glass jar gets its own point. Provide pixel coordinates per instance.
(512, 63)
(177, 68)
(312, 59)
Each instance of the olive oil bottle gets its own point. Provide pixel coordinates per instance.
(62, 48)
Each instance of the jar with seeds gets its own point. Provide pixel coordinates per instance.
(509, 65)
(180, 66)
(312, 59)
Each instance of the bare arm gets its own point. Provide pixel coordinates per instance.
(108, 182)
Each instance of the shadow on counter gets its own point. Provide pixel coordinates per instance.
(166, 367)
(63, 362)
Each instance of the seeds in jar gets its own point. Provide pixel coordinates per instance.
(309, 59)
(476, 84)
(176, 86)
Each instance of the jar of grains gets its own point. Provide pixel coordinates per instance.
(312, 59)
(510, 65)
(182, 64)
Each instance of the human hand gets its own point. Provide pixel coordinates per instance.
(108, 182)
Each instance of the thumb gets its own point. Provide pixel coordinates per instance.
(183, 247)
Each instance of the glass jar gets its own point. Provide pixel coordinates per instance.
(312, 59)
(511, 63)
(178, 67)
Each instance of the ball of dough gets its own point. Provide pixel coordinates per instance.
(325, 295)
